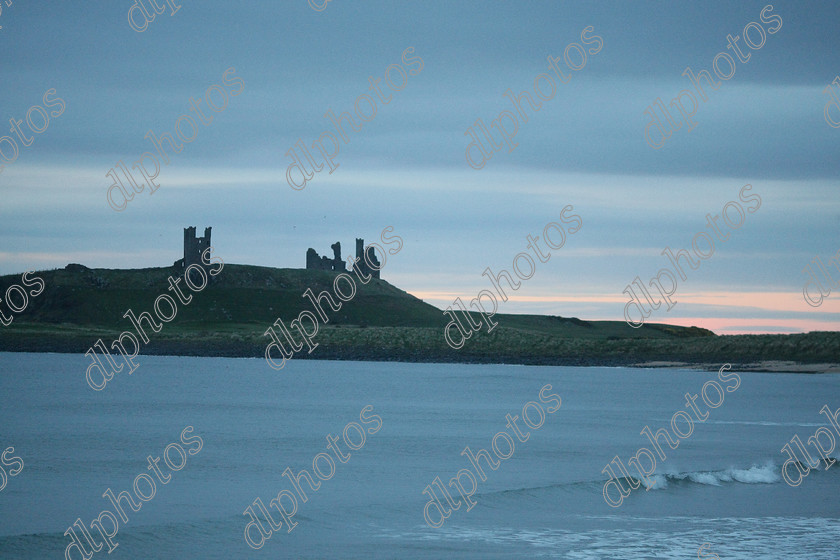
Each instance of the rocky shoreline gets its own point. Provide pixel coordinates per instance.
(799, 353)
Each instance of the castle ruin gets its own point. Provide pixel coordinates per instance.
(316, 262)
(362, 262)
(365, 259)
(193, 247)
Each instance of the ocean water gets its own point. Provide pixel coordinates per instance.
(721, 485)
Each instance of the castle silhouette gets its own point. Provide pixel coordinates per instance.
(365, 260)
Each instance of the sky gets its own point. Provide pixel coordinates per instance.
(290, 62)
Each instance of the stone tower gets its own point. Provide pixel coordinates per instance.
(362, 263)
(194, 246)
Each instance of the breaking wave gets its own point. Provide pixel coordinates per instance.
(768, 473)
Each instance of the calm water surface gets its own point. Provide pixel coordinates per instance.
(721, 486)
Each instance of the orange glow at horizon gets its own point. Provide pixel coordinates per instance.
(741, 308)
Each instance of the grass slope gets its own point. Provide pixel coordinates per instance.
(381, 322)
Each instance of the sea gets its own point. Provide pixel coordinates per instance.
(719, 494)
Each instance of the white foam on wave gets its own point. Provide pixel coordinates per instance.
(764, 474)
(756, 475)
(658, 482)
(707, 478)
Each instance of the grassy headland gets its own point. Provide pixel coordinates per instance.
(382, 322)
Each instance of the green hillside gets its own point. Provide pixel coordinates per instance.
(381, 322)
(238, 295)
(254, 295)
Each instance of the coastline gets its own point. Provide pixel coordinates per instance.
(765, 366)
(809, 353)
